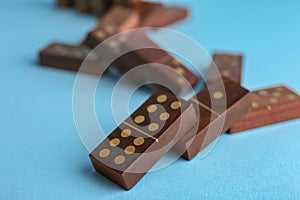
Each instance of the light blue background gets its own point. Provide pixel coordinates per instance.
(41, 156)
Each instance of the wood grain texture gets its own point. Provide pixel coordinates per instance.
(269, 106)
(228, 65)
(141, 140)
(229, 107)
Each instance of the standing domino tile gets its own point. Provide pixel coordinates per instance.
(269, 106)
(229, 106)
(141, 140)
(229, 65)
(69, 57)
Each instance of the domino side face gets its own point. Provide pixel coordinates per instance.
(269, 106)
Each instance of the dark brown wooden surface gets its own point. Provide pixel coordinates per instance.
(269, 106)
(99, 7)
(147, 11)
(229, 105)
(65, 3)
(141, 140)
(176, 76)
(169, 15)
(69, 57)
(83, 6)
(229, 65)
(63, 56)
(157, 14)
(117, 19)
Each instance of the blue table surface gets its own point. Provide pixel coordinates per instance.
(42, 156)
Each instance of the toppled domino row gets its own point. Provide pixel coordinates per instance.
(153, 129)
(137, 144)
(121, 18)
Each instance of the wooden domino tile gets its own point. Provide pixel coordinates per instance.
(65, 3)
(158, 15)
(99, 7)
(139, 142)
(69, 57)
(148, 12)
(168, 16)
(119, 18)
(229, 65)
(236, 101)
(83, 6)
(179, 79)
(269, 106)
(125, 2)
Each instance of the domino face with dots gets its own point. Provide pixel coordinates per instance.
(229, 66)
(141, 140)
(69, 57)
(269, 106)
(229, 106)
